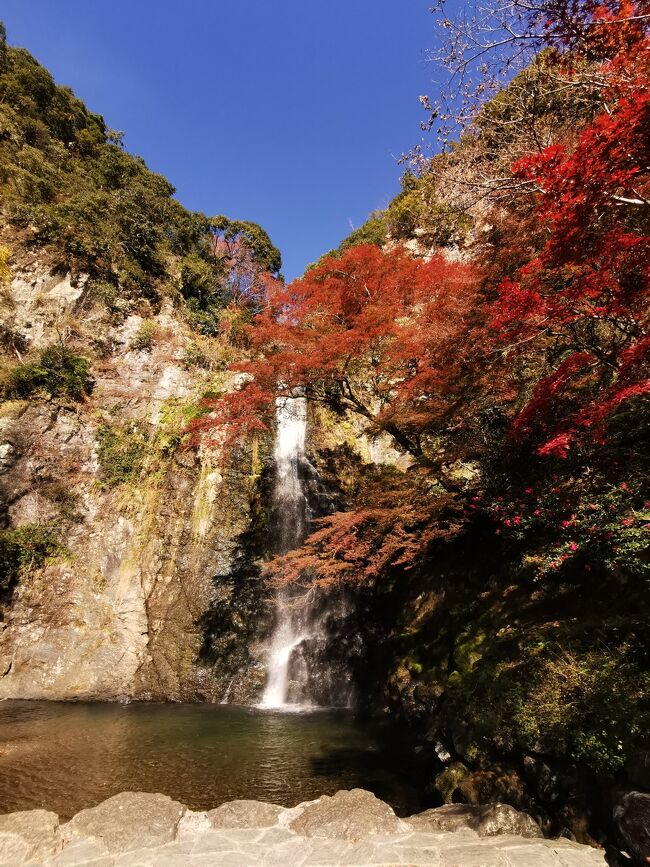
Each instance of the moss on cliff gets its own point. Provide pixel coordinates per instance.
(120, 452)
(25, 549)
(57, 372)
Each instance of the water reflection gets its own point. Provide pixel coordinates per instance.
(65, 757)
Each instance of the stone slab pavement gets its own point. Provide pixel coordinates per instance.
(223, 848)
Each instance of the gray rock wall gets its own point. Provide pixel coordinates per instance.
(121, 615)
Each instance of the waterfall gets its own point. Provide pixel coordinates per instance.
(304, 669)
(289, 496)
(290, 508)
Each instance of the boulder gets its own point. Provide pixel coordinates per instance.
(488, 820)
(497, 819)
(245, 814)
(348, 815)
(632, 817)
(132, 820)
(31, 835)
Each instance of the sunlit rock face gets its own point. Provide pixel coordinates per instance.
(124, 612)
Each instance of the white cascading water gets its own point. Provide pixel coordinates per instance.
(291, 627)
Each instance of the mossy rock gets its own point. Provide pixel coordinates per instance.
(447, 781)
(120, 452)
(468, 651)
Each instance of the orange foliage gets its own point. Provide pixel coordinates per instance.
(393, 527)
(373, 332)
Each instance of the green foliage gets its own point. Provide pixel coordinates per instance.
(5, 270)
(567, 529)
(532, 108)
(405, 214)
(204, 288)
(373, 231)
(421, 211)
(199, 282)
(204, 321)
(24, 549)
(194, 356)
(418, 211)
(120, 452)
(447, 781)
(59, 372)
(589, 702)
(106, 292)
(145, 336)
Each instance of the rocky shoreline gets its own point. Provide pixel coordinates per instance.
(349, 828)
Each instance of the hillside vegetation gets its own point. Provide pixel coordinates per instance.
(69, 190)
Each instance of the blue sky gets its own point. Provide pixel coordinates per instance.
(290, 113)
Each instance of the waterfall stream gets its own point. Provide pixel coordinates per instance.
(292, 624)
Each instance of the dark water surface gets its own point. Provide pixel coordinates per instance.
(65, 757)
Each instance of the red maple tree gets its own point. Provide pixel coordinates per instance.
(373, 332)
(584, 297)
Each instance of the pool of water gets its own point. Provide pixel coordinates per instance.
(65, 757)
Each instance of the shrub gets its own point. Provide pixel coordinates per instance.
(199, 282)
(59, 372)
(590, 703)
(145, 336)
(24, 549)
(207, 322)
(120, 453)
(5, 270)
(105, 292)
(194, 356)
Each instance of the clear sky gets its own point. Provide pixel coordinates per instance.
(290, 113)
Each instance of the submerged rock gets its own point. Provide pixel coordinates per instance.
(487, 820)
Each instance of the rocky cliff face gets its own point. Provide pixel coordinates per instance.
(155, 592)
(152, 527)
